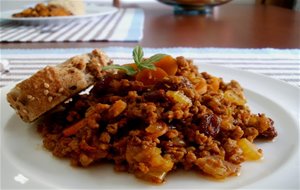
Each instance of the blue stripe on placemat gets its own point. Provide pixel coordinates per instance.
(128, 21)
(137, 25)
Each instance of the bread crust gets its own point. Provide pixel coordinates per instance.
(76, 7)
(53, 85)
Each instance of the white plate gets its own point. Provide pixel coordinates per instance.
(26, 165)
(92, 10)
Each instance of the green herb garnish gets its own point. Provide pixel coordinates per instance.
(141, 63)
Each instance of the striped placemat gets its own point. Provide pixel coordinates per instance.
(124, 25)
(276, 63)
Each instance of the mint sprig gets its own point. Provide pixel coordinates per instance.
(138, 55)
(141, 63)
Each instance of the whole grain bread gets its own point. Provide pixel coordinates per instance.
(53, 85)
(76, 7)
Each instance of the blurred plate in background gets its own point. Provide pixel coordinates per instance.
(92, 10)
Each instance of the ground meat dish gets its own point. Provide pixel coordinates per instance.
(42, 10)
(190, 120)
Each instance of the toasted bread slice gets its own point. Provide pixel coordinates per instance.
(76, 7)
(53, 85)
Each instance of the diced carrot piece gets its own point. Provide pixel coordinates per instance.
(150, 77)
(168, 64)
(74, 128)
(116, 109)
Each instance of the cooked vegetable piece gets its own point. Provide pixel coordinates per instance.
(201, 85)
(232, 97)
(215, 84)
(150, 77)
(217, 167)
(260, 122)
(116, 109)
(249, 150)
(168, 64)
(157, 129)
(74, 128)
(179, 97)
(155, 165)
